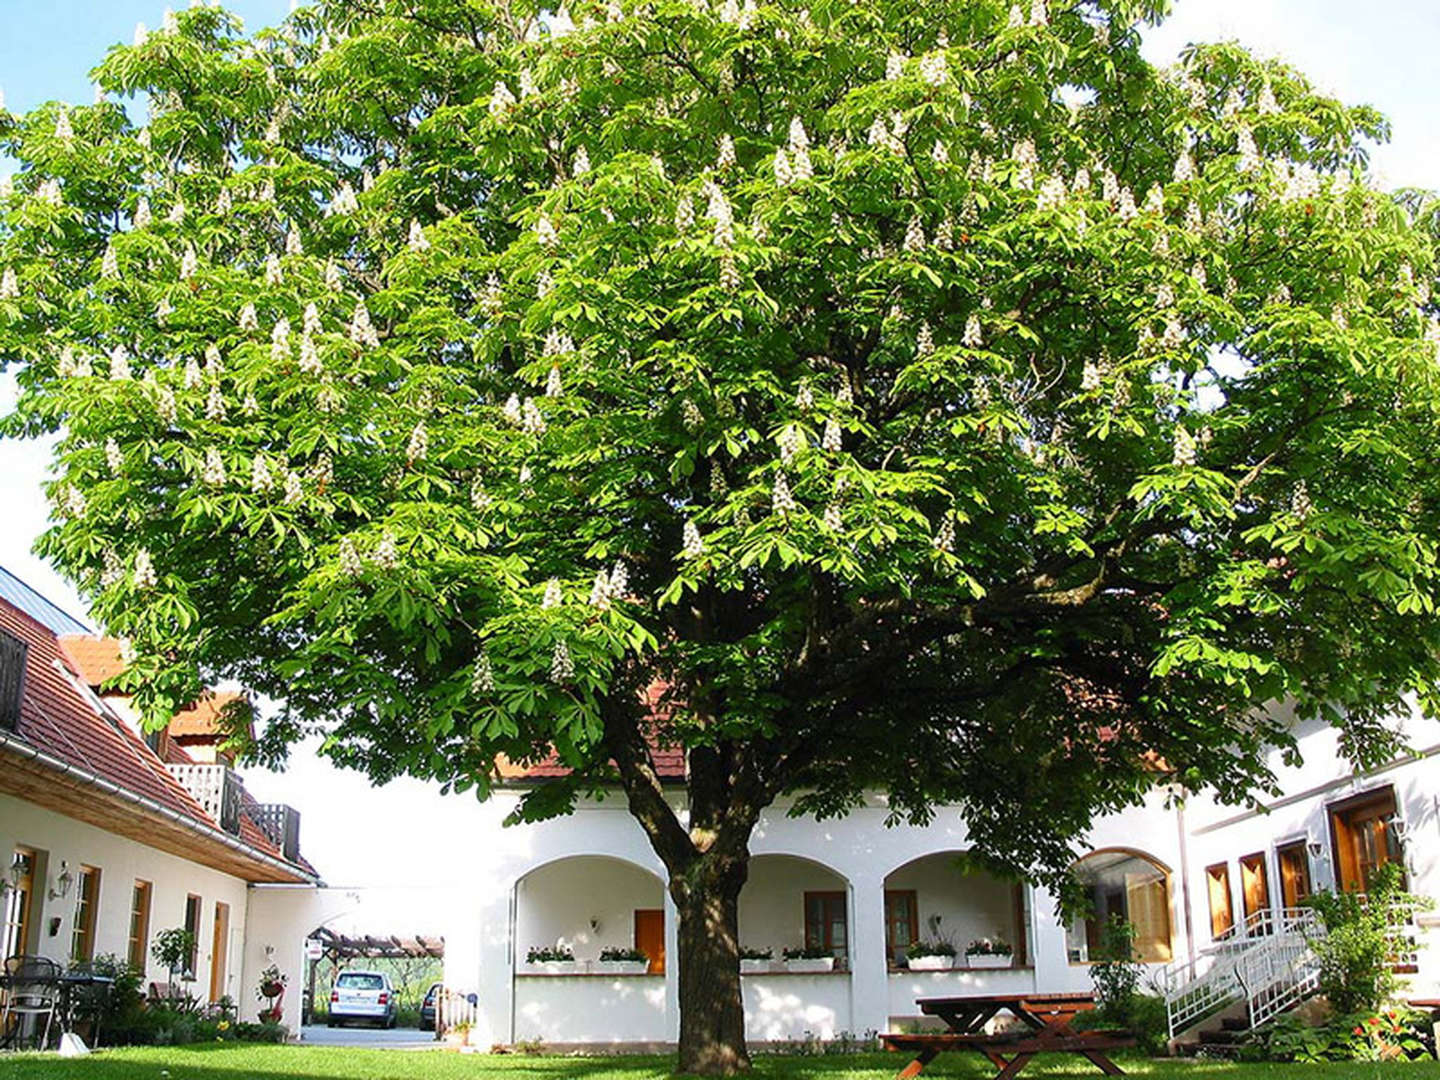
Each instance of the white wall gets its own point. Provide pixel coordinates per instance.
(790, 1007)
(121, 862)
(590, 1009)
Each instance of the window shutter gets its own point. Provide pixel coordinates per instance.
(12, 680)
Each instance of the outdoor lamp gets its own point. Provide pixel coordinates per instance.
(63, 881)
(1317, 849)
(17, 870)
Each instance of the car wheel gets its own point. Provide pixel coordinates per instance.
(331, 1022)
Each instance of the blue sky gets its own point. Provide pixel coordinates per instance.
(1382, 53)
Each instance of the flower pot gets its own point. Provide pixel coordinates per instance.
(554, 967)
(755, 967)
(977, 961)
(622, 967)
(932, 963)
(271, 990)
(817, 966)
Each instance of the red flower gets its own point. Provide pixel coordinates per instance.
(1359, 1031)
(1374, 1021)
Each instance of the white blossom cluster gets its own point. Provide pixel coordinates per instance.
(782, 502)
(692, 545)
(562, 667)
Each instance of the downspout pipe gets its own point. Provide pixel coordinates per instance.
(14, 745)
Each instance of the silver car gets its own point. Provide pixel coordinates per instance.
(362, 995)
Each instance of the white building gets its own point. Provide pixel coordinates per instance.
(110, 835)
(1182, 874)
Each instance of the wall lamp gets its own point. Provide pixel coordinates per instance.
(63, 880)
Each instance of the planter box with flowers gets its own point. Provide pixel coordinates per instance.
(930, 956)
(551, 960)
(622, 962)
(808, 960)
(756, 961)
(989, 953)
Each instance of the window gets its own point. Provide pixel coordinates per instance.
(87, 900)
(1222, 913)
(1362, 838)
(139, 944)
(902, 922)
(1127, 886)
(826, 923)
(12, 680)
(1294, 863)
(1255, 892)
(18, 902)
(192, 924)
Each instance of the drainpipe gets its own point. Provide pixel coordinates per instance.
(20, 747)
(1185, 880)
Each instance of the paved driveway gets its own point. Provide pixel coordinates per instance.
(374, 1038)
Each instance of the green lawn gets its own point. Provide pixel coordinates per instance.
(232, 1062)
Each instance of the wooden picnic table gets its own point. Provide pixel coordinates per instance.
(1047, 1020)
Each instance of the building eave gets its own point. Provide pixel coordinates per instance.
(31, 774)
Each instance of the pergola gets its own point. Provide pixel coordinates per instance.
(341, 947)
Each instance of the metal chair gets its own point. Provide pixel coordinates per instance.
(32, 989)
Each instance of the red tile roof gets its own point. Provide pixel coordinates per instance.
(669, 760)
(60, 716)
(203, 717)
(95, 658)
(67, 722)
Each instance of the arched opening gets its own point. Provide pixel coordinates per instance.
(936, 899)
(790, 902)
(585, 904)
(1123, 886)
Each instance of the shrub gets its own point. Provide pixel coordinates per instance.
(1391, 1035)
(1116, 970)
(1363, 936)
(173, 948)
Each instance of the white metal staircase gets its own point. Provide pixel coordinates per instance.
(1265, 963)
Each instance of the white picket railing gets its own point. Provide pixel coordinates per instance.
(454, 1010)
(1266, 962)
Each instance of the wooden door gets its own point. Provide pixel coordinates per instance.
(1294, 874)
(1254, 889)
(219, 951)
(650, 937)
(1222, 915)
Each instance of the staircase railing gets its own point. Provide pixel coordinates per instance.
(1264, 961)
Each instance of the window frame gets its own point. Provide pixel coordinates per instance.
(1091, 928)
(194, 903)
(1291, 847)
(823, 931)
(18, 921)
(137, 946)
(910, 898)
(84, 915)
(1345, 816)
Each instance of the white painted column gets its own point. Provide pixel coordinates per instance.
(487, 967)
(1053, 973)
(869, 974)
(672, 968)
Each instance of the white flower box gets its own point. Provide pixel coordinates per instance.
(932, 963)
(755, 967)
(976, 961)
(622, 967)
(555, 967)
(817, 966)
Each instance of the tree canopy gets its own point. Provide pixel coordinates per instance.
(934, 400)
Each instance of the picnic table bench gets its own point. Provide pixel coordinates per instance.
(1047, 1020)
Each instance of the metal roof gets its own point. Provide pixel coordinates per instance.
(22, 596)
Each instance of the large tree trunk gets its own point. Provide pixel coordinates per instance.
(712, 1013)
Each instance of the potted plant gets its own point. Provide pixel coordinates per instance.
(174, 948)
(930, 956)
(808, 960)
(989, 953)
(616, 961)
(552, 960)
(270, 991)
(755, 961)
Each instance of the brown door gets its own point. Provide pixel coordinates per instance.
(219, 950)
(1222, 915)
(650, 937)
(1254, 888)
(1294, 873)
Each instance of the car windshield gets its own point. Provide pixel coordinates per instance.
(356, 980)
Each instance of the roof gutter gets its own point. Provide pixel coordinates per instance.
(19, 746)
